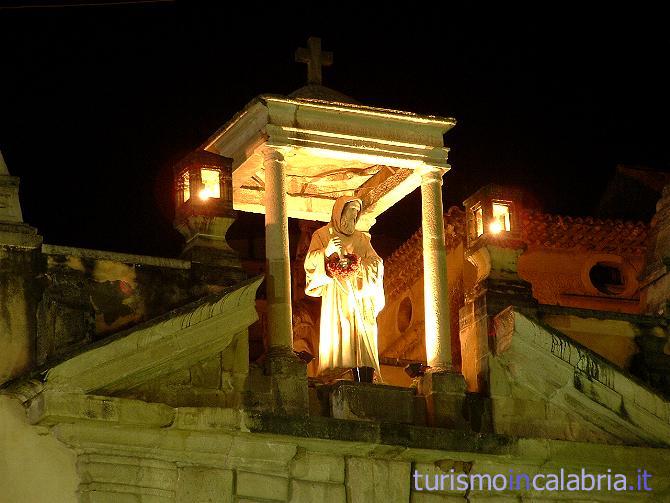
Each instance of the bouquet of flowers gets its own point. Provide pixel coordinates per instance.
(344, 267)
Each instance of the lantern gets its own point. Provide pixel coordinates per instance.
(204, 207)
(203, 184)
(493, 211)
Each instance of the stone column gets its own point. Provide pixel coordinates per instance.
(284, 372)
(278, 271)
(443, 390)
(436, 294)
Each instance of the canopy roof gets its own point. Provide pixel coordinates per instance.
(331, 148)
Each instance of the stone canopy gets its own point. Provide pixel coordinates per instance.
(330, 148)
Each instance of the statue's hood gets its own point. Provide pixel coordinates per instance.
(338, 207)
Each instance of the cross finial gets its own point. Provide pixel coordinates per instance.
(314, 58)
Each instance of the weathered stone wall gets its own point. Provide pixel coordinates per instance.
(88, 294)
(544, 385)
(57, 300)
(613, 339)
(128, 450)
(18, 299)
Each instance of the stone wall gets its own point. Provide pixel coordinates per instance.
(128, 450)
(54, 301)
(562, 277)
(544, 385)
(19, 294)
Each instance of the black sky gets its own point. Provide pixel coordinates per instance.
(97, 103)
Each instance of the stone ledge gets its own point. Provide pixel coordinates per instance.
(376, 432)
(53, 407)
(126, 258)
(370, 402)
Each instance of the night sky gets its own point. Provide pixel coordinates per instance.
(97, 103)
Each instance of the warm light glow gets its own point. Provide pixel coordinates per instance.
(495, 227)
(501, 218)
(479, 222)
(392, 159)
(211, 186)
(185, 186)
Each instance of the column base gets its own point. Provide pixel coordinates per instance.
(280, 386)
(446, 405)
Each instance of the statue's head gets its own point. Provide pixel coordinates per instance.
(349, 217)
(345, 214)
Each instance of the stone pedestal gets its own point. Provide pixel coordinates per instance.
(445, 399)
(206, 240)
(280, 386)
(372, 402)
(204, 213)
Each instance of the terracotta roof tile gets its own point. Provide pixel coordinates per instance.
(543, 230)
(406, 263)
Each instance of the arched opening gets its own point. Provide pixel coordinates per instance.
(608, 278)
(404, 314)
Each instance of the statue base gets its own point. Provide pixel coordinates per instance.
(361, 401)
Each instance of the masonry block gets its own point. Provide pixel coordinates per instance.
(372, 402)
(318, 467)
(377, 481)
(255, 485)
(309, 492)
(445, 399)
(204, 485)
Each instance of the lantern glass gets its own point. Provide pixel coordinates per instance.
(211, 186)
(185, 187)
(478, 222)
(501, 217)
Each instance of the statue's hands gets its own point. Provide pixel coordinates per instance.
(334, 246)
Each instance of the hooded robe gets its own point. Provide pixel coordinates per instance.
(349, 306)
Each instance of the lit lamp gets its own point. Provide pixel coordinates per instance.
(492, 211)
(204, 207)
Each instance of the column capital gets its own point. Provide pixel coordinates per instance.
(431, 173)
(272, 153)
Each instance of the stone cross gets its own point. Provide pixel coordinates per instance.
(314, 58)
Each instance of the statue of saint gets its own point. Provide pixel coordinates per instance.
(345, 271)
